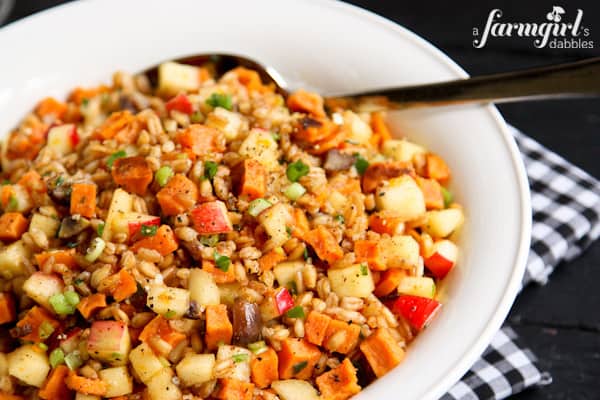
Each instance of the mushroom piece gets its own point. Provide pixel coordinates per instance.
(338, 161)
(72, 225)
(247, 323)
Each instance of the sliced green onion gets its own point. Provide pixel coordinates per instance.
(275, 136)
(148, 230)
(96, 248)
(73, 360)
(59, 181)
(210, 169)
(46, 329)
(60, 304)
(296, 312)
(340, 218)
(170, 314)
(305, 254)
(113, 157)
(220, 100)
(237, 358)
(257, 206)
(300, 366)
(257, 347)
(71, 297)
(196, 117)
(43, 346)
(100, 229)
(361, 164)
(13, 203)
(289, 230)
(163, 175)
(222, 262)
(364, 270)
(209, 240)
(294, 191)
(448, 197)
(296, 170)
(57, 356)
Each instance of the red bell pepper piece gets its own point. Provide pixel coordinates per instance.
(180, 103)
(418, 311)
(284, 300)
(74, 136)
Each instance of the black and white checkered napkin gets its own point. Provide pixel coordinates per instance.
(566, 219)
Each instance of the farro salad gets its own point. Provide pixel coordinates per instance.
(209, 238)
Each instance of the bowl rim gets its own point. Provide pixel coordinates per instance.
(513, 285)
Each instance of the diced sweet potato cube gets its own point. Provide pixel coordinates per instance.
(381, 351)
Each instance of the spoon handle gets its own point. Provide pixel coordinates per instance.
(577, 79)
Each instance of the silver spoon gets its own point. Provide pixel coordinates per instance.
(576, 79)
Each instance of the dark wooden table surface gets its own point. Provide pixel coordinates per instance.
(560, 321)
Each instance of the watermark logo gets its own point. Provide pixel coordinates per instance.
(557, 30)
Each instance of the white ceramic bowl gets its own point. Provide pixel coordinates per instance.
(328, 46)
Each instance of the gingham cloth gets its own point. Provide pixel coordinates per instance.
(566, 212)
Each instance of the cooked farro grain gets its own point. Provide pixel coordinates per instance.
(211, 211)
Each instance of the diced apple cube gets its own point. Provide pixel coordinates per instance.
(241, 361)
(400, 251)
(442, 223)
(195, 369)
(161, 386)
(29, 365)
(295, 389)
(174, 78)
(228, 292)
(12, 260)
(120, 204)
(337, 200)
(118, 380)
(357, 130)
(45, 224)
(275, 220)
(109, 342)
(130, 223)
(417, 286)
(145, 363)
(71, 342)
(167, 301)
(442, 259)
(211, 218)
(40, 287)
(227, 121)
(19, 199)
(286, 272)
(268, 308)
(260, 145)
(203, 289)
(62, 139)
(355, 280)
(401, 150)
(403, 196)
